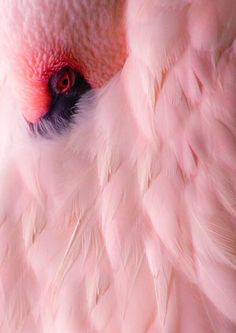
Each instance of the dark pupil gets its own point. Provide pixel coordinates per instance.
(65, 82)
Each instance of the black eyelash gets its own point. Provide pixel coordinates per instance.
(62, 109)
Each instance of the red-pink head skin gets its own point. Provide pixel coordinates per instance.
(42, 37)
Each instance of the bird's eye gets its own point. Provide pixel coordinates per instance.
(66, 87)
(63, 81)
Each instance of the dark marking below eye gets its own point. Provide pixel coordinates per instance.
(62, 109)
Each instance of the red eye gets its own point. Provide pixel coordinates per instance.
(63, 80)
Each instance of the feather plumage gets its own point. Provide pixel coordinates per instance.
(127, 222)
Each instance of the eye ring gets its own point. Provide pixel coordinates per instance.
(63, 81)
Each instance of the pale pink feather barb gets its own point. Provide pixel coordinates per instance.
(130, 225)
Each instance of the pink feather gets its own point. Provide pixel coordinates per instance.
(127, 223)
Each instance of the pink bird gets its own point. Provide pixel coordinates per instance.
(118, 166)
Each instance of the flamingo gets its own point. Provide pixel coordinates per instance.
(117, 166)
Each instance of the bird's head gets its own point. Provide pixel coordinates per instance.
(53, 52)
(54, 56)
